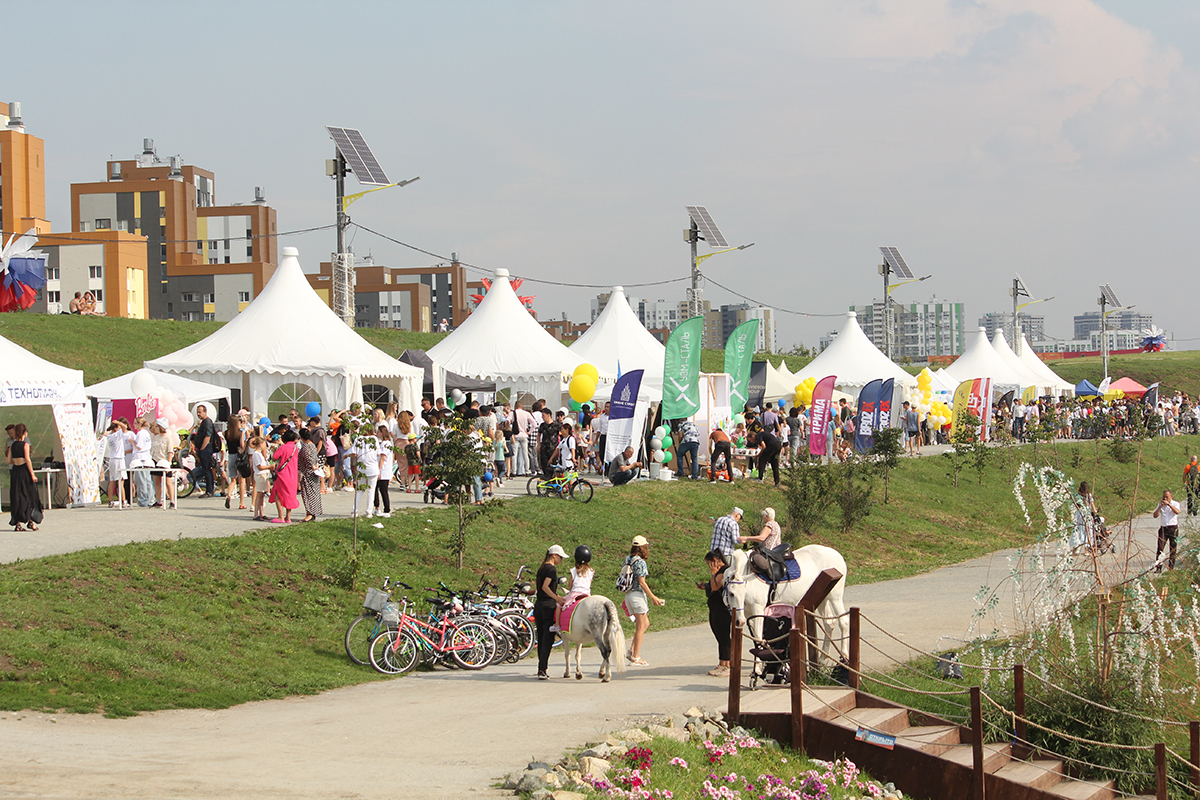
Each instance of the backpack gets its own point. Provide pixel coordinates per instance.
(625, 577)
(330, 447)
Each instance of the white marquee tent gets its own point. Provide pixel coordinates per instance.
(29, 380)
(854, 360)
(288, 340)
(502, 342)
(1000, 345)
(1049, 377)
(618, 339)
(192, 392)
(779, 383)
(980, 360)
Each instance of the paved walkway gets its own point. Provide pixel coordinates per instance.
(443, 734)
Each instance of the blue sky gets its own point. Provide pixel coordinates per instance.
(563, 140)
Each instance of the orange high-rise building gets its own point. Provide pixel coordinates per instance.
(22, 176)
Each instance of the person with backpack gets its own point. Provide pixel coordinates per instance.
(632, 581)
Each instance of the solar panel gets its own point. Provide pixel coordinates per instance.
(896, 261)
(358, 155)
(1109, 296)
(708, 229)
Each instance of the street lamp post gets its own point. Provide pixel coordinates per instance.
(1104, 330)
(695, 307)
(888, 288)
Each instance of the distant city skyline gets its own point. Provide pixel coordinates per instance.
(1060, 141)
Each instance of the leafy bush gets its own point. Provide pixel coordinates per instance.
(852, 490)
(1122, 451)
(807, 490)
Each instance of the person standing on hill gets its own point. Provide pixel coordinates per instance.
(912, 429)
(1191, 479)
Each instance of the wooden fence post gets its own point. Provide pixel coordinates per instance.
(1019, 728)
(813, 659)
(798, 678)
(855, 665)
(1160, 772)
(734, 706)
(1194, 735)
(977, 774)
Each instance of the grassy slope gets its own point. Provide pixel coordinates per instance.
(213, 623)
(1176, 370)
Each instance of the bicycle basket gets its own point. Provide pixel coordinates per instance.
(391, 615)
(375, 600)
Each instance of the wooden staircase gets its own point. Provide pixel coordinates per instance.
(932, 758)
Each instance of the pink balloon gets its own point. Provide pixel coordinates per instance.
(186, 420)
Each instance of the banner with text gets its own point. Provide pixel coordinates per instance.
(822, 398)
(962, 402)
(868, 412)
(625, 416)
(739, 353)
(883, 411)
(681, 373)
(981, 406)
(79, 451)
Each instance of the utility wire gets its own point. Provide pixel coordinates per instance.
(771, 305)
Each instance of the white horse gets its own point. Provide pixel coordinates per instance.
(747, 594)
(595, 618)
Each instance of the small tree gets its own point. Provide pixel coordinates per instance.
(806, 491)
(966, 431)
(852, 490)
(886, 451)
(457, 460)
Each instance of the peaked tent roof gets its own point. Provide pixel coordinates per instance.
(26, 379)
(121, 387)
(1086, 387)
(1000, 345)
(618, 338)
(502, 342)
(854, 360)
(1038, 367)
(286, 329)
(779, 383)
(1129, 386)
(980, 360)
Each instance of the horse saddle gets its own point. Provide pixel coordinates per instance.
(775, 565)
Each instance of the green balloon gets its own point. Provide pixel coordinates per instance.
(575, 405)
(667, 442)
(666, 458)
(738, 419)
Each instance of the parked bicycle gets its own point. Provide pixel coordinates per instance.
(563, 484)
(470, 643)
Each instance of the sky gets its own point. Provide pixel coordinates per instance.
(562, 140)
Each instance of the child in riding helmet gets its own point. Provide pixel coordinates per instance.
(581, 580)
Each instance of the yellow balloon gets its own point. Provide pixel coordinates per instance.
(582, 388)
(590, 371)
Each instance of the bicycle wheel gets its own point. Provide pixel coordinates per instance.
(359, 635)
(393, 652)
(523, 628)
(184, 486)
(504, 641)
(582, 490)
(473, 645)
(534, 486)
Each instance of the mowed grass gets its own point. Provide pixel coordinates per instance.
(216, 622)
(1176, 370)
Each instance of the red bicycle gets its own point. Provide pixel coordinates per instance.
(468, 643)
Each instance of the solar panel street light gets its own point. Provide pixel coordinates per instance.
(703, 227)
(893, 264)
(1107, 298)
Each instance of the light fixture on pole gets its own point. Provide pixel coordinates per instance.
(1017, 291)
(893, 264)
(703, 227)
(1107, 298)
(351, 154)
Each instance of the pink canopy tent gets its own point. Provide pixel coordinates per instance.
(1129, 386)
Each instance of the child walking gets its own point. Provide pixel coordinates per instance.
(261, 466)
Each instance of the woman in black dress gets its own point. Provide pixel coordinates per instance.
(24, 505)
(548, 600)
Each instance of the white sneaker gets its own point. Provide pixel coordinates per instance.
(384, 514)
(114, 504)
(347, 488)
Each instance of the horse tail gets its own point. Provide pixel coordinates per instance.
(615, 639)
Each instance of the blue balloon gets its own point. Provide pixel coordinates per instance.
(313, 409)
(487, 476)
(264, 421)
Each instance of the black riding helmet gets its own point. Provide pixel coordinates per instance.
(583, 554)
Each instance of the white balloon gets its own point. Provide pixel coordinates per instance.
(142, 384)
(658, 456)
(656, 443)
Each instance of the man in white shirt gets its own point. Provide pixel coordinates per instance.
(140, 463)
(1167, 515)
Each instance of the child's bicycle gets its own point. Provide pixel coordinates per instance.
(563, 484)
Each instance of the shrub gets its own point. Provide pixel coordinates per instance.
(806, 492)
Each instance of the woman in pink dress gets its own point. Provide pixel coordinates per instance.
(287, 478)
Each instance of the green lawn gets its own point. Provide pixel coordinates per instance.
(1176, 370)
(213, 623)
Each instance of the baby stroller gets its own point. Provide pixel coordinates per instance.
(772, 653)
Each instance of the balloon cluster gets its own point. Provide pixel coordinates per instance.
(659, 444)
(922, 398)
(171, 406)
(804, 391)
(940, 414)
(583, 383)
